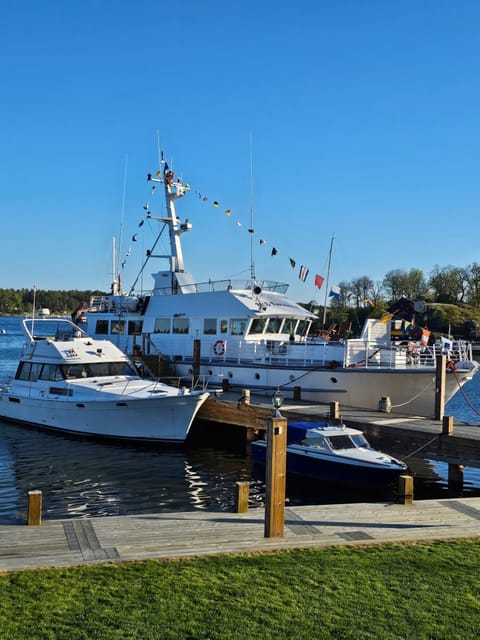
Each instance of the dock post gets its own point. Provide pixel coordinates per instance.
(447, 426)
(334, 410)
(34, 507)
(455, 478)
(241, 496)
(275, 476)
(405, 490)
(245, 396)
(440, 381)
(196, 361)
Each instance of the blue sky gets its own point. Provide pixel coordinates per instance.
(364, 118)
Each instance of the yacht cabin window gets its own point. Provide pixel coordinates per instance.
(101, 327)
(117, 327)
(209, 326)
(180, 325)
(238, 326)
(162, 325)
(135, 327)
(223, 326)
(257, 326)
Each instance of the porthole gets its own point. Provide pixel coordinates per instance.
(230, 374)
(334, 380)
(257, 376)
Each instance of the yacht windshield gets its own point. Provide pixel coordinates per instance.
(97, 370)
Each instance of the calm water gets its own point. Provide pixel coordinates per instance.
(83, 477)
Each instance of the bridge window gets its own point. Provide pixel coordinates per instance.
(209, 326)
(162, 325)
(180, 325)
(257, 326)
(238, 326)
(274, 325)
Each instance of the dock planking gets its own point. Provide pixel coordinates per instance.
(113, 539)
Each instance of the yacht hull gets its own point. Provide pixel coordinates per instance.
(166, 419)
(411, 390)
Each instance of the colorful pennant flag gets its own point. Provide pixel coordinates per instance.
(335, 292)
(319, 281)
(292, 263)
(274, 252)
(303, 273)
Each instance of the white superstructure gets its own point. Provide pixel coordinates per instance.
(252, 335)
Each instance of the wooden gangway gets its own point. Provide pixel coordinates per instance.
(197, 533)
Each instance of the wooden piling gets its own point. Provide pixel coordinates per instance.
(245, 396)
(447, 426)
(334, 410)
(241, 496)
(405, 490)
(34, 507)
(455, 477)
(440, 382)
(275, 477)
(196, 361)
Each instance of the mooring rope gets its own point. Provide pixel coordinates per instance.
(414, 397)
(465, 397)
(422, 447)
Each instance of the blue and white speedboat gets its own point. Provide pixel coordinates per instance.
(330, 451)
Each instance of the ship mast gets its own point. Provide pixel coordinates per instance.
(174, 189)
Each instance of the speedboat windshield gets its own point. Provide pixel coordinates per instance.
(361, 441)
(340, 442)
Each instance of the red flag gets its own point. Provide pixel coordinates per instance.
(319, 281)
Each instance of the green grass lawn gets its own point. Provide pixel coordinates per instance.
(378, 592)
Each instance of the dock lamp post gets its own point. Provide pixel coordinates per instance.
(275, 474)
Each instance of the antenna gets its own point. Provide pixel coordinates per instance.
(116, 262)
(252, 230)
(327, 283)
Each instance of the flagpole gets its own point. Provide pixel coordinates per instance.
(327, 284)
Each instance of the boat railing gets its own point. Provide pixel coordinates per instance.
(224, 285)
(379, 354)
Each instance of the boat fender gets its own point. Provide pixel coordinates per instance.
(333, 364)
(219, 348)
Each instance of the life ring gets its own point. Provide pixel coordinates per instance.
(219, 348)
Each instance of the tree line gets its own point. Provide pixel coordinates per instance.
(20, 301)
(451, 294)
(447, 285)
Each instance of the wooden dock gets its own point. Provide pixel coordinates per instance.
(177, 535)
(460, 447)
